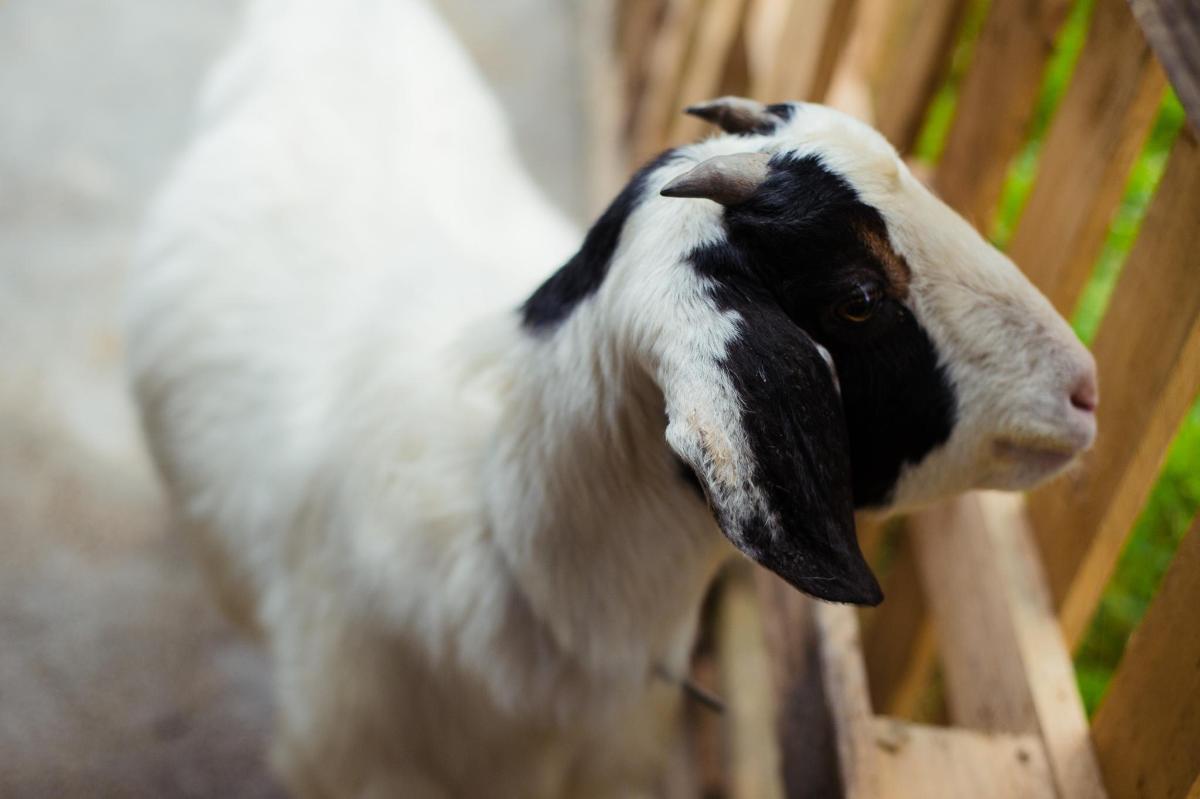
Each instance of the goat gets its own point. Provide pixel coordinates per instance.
(472, 511)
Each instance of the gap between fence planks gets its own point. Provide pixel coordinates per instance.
(996, 103)
(1091, 145)
(1148, 351)
(1147, 730)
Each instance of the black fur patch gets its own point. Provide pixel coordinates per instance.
(795, 249)
(581, 276)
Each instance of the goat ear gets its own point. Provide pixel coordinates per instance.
(762, 426)
(726, 179)
(735, 114)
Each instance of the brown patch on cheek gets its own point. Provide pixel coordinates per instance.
(897, 270)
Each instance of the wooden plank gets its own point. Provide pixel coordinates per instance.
(985, 678)
(638, 24)
(922, 762)
(996, 103)
(1148, 351)
(719, 27)
(663, 74)
(754, 756)
(1173, 28)
(807, 738)
(1095, 137)
(1049, 672)
(845, 679)
(910, 65)
(1147, 731)
(804, 50)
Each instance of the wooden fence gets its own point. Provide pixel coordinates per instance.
(995, 589)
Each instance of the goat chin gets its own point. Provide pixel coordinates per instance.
(473, 511)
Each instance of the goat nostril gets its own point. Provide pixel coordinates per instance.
(1085, 396)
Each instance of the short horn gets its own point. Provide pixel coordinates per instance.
(725, 179)
(735, 115)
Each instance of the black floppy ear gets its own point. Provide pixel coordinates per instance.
(761, 424)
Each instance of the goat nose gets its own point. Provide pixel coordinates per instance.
(1085, 395)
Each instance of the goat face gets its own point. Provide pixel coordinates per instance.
(833, 336)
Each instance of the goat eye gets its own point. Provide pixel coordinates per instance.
(861, 306)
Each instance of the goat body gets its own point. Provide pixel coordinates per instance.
(324, 348)
(461, 507)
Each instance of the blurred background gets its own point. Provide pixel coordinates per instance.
(118, 678)
(117, 675)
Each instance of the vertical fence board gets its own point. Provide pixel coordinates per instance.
(806, 48)
(720, 25)
(996, 103)
(845, 678)
(914, 57)
(1148, 350)
(1147, 731)
(663, 75)
(985, 679)
(754, 756)
(1092, 143)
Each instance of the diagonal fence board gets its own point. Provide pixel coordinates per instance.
(996, 103)
(1147, 730)
(1148, 351)
(1091, 145)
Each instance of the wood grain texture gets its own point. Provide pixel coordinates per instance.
(911, 63)
(1093, 140)
(1045, 659)
(996, 103)
(1147, 731)
(1173, 29)
(845, 678)
(1148, 351)
(985, 678)
(922, 762)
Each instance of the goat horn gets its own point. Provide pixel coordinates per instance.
(725, 179)
(735, 114)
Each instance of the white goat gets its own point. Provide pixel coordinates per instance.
(473, 521)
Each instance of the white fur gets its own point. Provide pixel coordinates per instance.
(467, 547)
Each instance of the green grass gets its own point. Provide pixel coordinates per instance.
(1175, 498)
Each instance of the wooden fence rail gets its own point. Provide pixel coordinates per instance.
(1002, 636)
